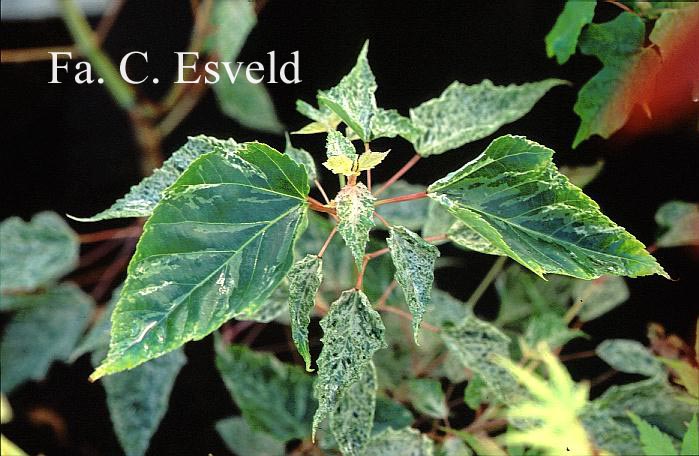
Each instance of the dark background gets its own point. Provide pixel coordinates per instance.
(68, 148)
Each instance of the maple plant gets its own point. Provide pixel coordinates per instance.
(231, 234)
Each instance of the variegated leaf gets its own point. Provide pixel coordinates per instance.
(403, 442)
(352, 420)
(355, 209)
(304, 277)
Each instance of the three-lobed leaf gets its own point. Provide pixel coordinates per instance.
(414, 260)
(465, 113)
(513, 196)
(35, 253)
(304, 277)
(216, 246)
(352, 332)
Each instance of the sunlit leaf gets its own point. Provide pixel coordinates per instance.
(352, 332)
(340, 164)
(305, 277)
(144, 196)
(427, 397)
(464, 113)
(242, 439)
(679, 222)
(414, 260)
(563, 37)
(355, 209)
(41, 333)
(35, 253)
(514, 196)
(274, 398)
(369, 160)
(325, 121)
(353, 98)
(216, 246)
(352, 420)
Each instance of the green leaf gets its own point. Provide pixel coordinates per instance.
(690, 441)
(216, 246)
(369, 160)
(231, 21)
(337, 144)
(304, 280)
(35, 253)
(353, 98)
(655, 442)
(352, 420)
(463, 113)
(275, 398)
(477, 343)
(242, 439)
(629, 356)
(679, 222)
(355, 209)
(41, 333)
(388, 123)
(302, 157)
(463, 236)
(599, 296)
(453, 446)
(138, 399)
(144, 196)
(97, 338)
(551, 329)
(475, 392)
(687, 374)
(248, 103)
(606, 100)
(613, 435)
(390, 414)
(404, 442)
(414, 260)
(410, 214)
(427, 397)
(273, 307)
(352, 332)
(325, 121)
(513, 195)
(438, 219)
(563, 37)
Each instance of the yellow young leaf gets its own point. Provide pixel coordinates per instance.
(340, 164)
(369, 160)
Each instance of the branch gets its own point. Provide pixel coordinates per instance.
(401, 198)
(398, 174)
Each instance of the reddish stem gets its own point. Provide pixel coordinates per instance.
(115, 233)
(399, 174)
(327, 242)
(401, 198)
(322, 191)
(383, 220)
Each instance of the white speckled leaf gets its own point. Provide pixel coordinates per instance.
(427, 397)
(355, 209)
(550, 328)
(353, 98)
(242, 439)
(464, 113)
(248, 104)
(513, 196)
(302, 157)
(144, 196)
(231, 22)
(403, 442)
(352, 332)
(43, 331)
(475, 343)
(388, 123)
(216, 246)
(629, 356)
(337, 144)
(414, 260)
(352, 420)
(304, 277)
(138, 399)
(274, 397)
(324, 119)
(35, 253)
(679, 221)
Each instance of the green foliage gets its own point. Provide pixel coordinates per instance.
(463, 113)
(629, 356)
(406, 442)
(411, 214)
(352, 332)
(275, 398)
(352, 420)
(302, 157)
(243, 439)
(551, 329)
(143, 197)
(653, 440)
(563, 37)
(355, 209)
(427, 397)
(679, 222)
(414, 260)
(46, 329)
(213, 247)
(690, 441)
(304, 280)
(35, 253)
(513, 195)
